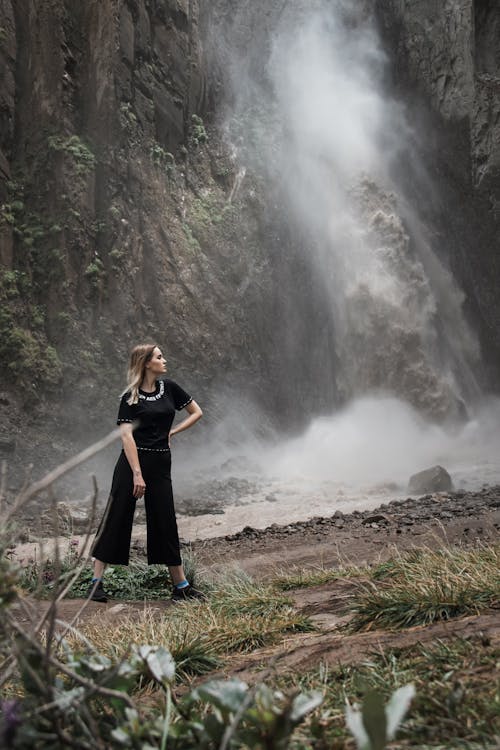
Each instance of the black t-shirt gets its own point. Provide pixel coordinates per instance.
(154, 414)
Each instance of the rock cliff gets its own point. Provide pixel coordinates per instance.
(125, 214)
(123, 219)
(445, 64)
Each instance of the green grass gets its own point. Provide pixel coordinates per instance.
(457, 703)
(428, 586)
(137, 581)
(134, 582)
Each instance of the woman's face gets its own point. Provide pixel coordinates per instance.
(157, 364)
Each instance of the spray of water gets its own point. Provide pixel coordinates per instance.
(396, 308)
(357, 458)
(309, 112)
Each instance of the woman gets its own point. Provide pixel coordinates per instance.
(145, 417)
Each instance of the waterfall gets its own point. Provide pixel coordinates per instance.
(314, 124)
(315, 118)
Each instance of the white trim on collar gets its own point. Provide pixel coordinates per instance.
(156, 396)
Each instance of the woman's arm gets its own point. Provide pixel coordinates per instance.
(195, 413)
(130, 450)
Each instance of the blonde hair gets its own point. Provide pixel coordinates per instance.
(139, 357)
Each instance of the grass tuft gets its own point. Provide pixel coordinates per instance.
(304, 578)
(238, 594)
(427, 586)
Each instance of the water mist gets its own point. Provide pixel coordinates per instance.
(313, 118)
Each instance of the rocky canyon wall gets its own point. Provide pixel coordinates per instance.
(125, 214)
(123, 219)
(445, 65)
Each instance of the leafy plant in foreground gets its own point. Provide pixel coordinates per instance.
(375, 724)
(85, 701)
(137, 581)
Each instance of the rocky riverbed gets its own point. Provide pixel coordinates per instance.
(358, 536)
(362, 536)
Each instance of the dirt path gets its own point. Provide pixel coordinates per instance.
(302, 653)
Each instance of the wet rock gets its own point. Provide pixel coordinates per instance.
(375, 518)
(407, 521)
(248, 531)
(79, 521)
(127, 35)
(435, 479)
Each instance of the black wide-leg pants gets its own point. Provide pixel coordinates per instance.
(112, 541)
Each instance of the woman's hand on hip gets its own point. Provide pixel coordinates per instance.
(139, 484)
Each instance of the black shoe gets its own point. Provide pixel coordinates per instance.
(96, 592)
(188, 592)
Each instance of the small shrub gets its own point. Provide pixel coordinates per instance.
(193, 243)
(22, 353)
(128, 118)
(95, 272)
(115, 212)
(37, 316)
(116, 257)
(13, 284)
(198, 134)
(163, 159)
(73, 146)
(62, 321)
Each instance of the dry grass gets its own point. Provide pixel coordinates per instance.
(238, 617)
(298, 578)
(426, 586)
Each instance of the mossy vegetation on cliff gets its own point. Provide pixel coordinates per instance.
(26, 355)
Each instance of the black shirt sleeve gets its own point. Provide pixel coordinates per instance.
(125, 412)
(179, 395)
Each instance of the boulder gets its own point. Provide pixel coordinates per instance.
(435, 479)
